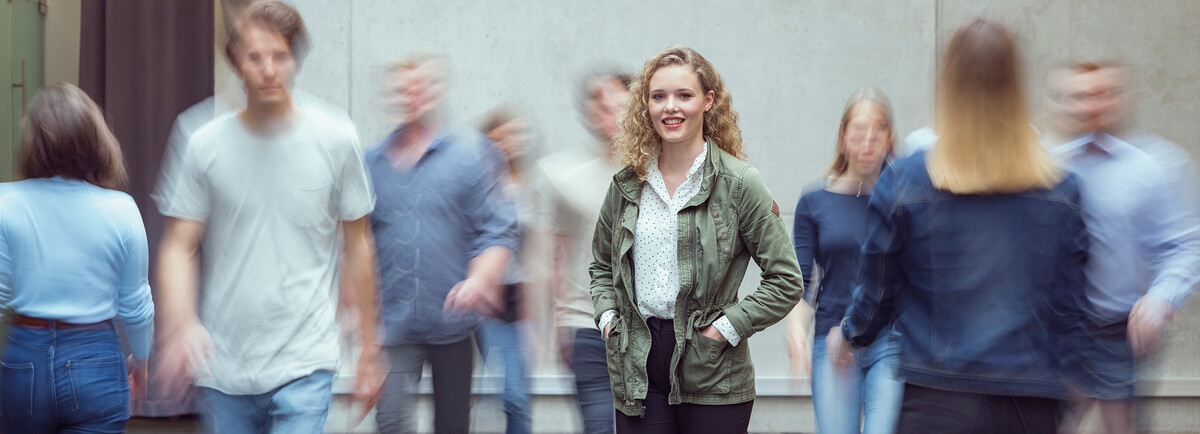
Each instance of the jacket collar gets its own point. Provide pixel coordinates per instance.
(631, 187)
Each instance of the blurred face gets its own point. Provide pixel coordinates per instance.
(265, 65)
(415, 93)
(866, 140)
(606, 98)
(677, 104)
(1092, 100)
(513, 137)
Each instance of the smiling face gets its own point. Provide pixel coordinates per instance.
(677, 103)
(265, 65)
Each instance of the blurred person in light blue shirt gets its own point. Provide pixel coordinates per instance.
(73, 257)
(1140, 209)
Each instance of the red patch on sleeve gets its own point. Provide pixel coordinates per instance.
(775, 208)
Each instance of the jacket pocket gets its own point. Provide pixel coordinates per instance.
(705, 366)
(99, 385)
(615, 355)
(16, 380)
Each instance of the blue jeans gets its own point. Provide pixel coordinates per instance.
(505, 337)
(64, 381)
(865, 394)
(592, 388)
(296, 407)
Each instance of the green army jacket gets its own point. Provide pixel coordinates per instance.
(731, 220)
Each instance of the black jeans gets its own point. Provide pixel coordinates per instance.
(662, 417)
(932, 411)
(451, 363)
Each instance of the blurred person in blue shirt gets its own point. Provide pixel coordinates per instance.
(1140, 208)
(73, 257)
(443, 240)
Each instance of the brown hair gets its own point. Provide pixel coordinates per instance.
(861, 97)
(276, 15)
(1084, 67)
(497, 117)
(64, 134)
(600, 73)
(636, 140)
(420, 57)
(986, 143)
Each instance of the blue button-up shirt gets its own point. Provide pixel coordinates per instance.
(1144, 239)
(429, 221)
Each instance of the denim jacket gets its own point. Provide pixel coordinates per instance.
(731, 220)
(987, 291)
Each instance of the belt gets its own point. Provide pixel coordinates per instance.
(27, 321)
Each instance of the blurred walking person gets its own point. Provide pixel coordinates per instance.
(1140, 208)
(975, 253)
(274, 194)
(828, 231)
(505, 332)
(444, 240)
(573, 183)
(73, 258)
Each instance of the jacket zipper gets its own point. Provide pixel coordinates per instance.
(625, 334)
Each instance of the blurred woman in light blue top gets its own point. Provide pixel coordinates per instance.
(73, 257)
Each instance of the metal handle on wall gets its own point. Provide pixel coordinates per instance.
(22, 86)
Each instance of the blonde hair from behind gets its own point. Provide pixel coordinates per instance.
(986, 144)
(637, 142)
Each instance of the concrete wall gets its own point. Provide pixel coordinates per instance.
(789, 65)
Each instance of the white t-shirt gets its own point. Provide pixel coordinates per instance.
(572, 185)
(273, 208)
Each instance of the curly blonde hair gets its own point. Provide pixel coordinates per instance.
(637, 142)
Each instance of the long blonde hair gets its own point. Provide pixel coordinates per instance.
(986, 143)
(637, 142)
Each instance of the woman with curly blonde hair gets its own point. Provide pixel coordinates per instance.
(676, 231)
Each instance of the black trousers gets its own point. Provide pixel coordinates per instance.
(663, 418)
(451, 363)
(931, 411)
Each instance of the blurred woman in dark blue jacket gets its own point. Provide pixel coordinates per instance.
(977, 246)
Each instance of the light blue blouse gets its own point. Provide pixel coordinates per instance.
(74, 252)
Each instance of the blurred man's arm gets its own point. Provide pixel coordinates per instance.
(481, 290)
(1172, 220)
(495, 227)
(185, 343)
(359, 291)
(177, 288)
